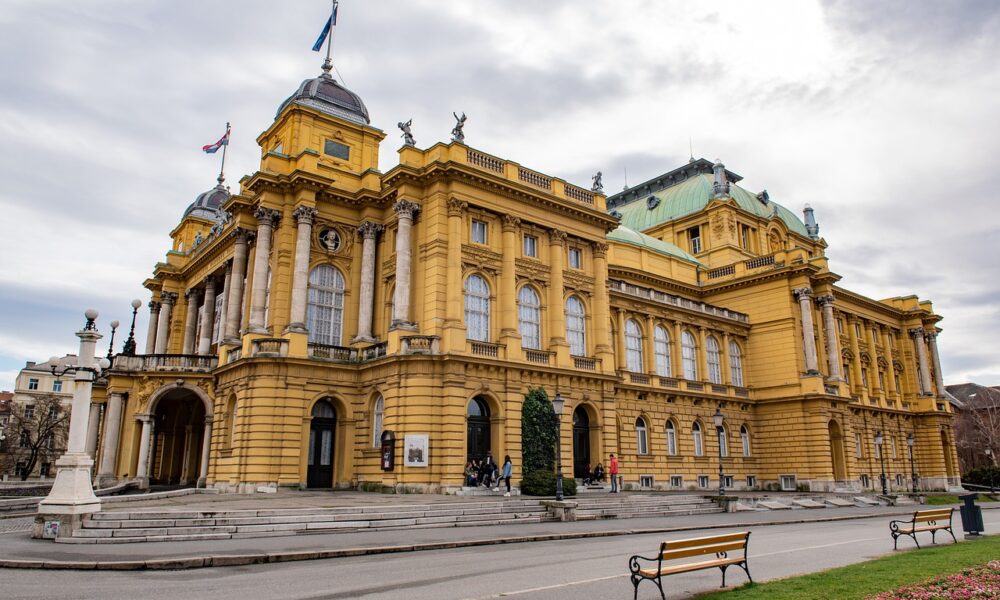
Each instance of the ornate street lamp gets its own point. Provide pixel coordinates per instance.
(129, 348)
(913, 467)
(111, 343)
(881, 460)
(557, 407)
(719, 431)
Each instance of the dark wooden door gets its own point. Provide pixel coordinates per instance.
(581, 442)
(479, 438)
(321, 431)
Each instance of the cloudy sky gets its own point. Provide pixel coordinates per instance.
(881, 115)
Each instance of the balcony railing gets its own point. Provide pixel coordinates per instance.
(669, 382)
(485, 349)
(695, 386)
(640, 378)
(662, 298)
(419, 344)
(760, 261)
(272, 347)
(234, 355)
(344, 354)
(537, 356)
(196, 363)
(515, 172)
(585, 362)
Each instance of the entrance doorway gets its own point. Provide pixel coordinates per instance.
(837, 452)
(581, 442)
(477, 429)
(321, 430)
(179, 426)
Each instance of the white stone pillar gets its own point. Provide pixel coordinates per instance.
(405, 211)
(186, 460)
(142, 469)
(93, 425)
(369, 232)
(234, 293)
(931, 337)
(190, 321)
(832, 339)
(154, 317)
(223, 310)
(923, 370)
(207, 317)
(304, 217)
(206, 446)
(167, 300)
(266, 220)
(109, 445)
(804, 296)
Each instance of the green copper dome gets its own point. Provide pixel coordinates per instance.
(625, 235)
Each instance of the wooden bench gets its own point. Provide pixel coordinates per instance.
(673, 551)
(923, 520)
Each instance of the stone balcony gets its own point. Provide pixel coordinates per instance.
(672, 300)
(165, 363)
(673, 383)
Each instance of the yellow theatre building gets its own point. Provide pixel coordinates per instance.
(329, 304)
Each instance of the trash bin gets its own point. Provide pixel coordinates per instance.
(972, 515)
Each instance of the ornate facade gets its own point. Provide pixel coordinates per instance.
(326, 303)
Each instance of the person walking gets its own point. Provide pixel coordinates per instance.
(507, 473)
(613, 471)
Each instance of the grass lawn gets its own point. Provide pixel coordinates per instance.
(879, 575)
(946, 499)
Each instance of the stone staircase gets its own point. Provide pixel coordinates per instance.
(624, 506)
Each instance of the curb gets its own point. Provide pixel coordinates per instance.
(233, 560)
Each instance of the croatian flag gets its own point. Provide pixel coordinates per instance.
(330, 23)
(213, 148)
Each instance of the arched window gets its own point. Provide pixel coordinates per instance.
(231, 415)
(689, 356)
(671, 439)
(714, 359)
(477, 308)
(378, 412)
(529, 316)
(576, 326)
(699, 446)
(723, 440)
(661, 348)
(633, 347)
(745, 439)
(325, 311)
(641, 436)
(735, 364)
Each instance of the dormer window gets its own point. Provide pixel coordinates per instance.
(337, 150)
(694, 239)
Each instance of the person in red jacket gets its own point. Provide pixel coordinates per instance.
(613, 471)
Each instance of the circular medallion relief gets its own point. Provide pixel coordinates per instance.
(330, 239)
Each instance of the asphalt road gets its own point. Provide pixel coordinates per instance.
(575, 569)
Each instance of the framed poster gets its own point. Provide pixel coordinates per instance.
(415, 450)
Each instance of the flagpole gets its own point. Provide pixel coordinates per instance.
(222, 169)
(328, 63)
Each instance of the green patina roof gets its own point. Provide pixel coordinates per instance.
(694, 194)
(625, 235)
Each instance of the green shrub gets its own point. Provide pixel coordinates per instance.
(543, 483)
(538, 432)
(985, 476)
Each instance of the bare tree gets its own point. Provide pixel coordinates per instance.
(36, 433)
(978, 425)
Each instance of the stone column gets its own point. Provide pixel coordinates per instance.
(454, 307)
(304, 218)
(167, 300)
(649, 346)
(93, 424)
(142, 469)
(931, 337)
(207, 317)
(917, 333)
(857, 383)
(190, 321)
(620, 342)
(234, 303)
(727, 373)
(227, 283)
(206, 446)
(267, 218)
(154, 317)
(804, 296)
(109, 447)
(702, 354)
(405, 212)
(600, 325)
(508, 280)
(832, 338)
(369, 233)
(676, 358)
(557, 310)
(186, 460)
(890, 381)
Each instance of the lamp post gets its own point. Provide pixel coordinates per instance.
(72, 493)
(129, 348)
(557, 407)
(913, 467)
(881, 460)
(989, 455)
(719, 431)
(111, 343)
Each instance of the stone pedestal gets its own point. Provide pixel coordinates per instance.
(561, 510)
(72, 496)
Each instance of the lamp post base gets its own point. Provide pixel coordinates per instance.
(72, 496)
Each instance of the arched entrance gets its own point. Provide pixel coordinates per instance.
(477, 429)
(581, 442)
(837, 452)
(178, 430)
(324, 422)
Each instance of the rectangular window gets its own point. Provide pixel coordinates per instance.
(840, 326)
(676, 481)
(858, 447)
(575, 258)
(646, 481)
(857, 329)
(531, 246)
(745, 236)
(703, 481)
(727, 481)
(29, 412)
(478, 232)
(32, 384)
(336, 149)
(864, 377)
(865, 482)
(881, 380)
(788, 483)
(694, 239)
(57, 385)
(45, 469)
(892, 446)
(899, 386)
(899, 480)
(25, 439)
(751, 482)
(53, 412)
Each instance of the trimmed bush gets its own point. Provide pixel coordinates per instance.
(538, 432)
(543, 483)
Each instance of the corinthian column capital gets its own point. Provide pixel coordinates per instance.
(511, 223)
(405, 208)
(600, 249)
(930, 336)
(917, 332)
(456, 207)
(802, 292)
(825, 300)
(557, 238)
(305, 215)
(266, 216)
(369, 230)
(168, 297)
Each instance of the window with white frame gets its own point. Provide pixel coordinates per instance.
(788, 483)
(32, 384)
(714, 361)
(661, 348)
(29, 412)
(576, 326)
(727, 481)
(378, 414)
(745, 439)
(530, 246)
(57, 385)
(735, 364)
(689, 356)
(676, 481)
(865, 481)
(899, 479)
(575, 258)
(641, 436)
(477, 308)
(699, 447)
(671, 439)
(633, 347)
(751, 482)
(647, 481)
(723, 435)
(325, 310)
(858, 446)
(478, 232)
(529, 317)
(703, 481)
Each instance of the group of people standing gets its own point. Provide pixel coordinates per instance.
(486, 473)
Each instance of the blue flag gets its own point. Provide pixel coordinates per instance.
(326, 30)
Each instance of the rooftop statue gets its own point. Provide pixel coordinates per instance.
(598, 184)
(407, 135)
(456, 134)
